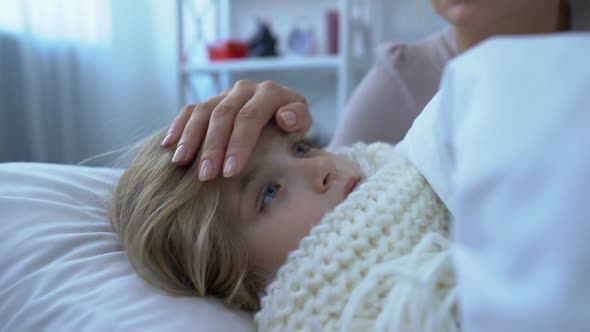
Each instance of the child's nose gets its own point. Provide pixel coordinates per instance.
(322, 174)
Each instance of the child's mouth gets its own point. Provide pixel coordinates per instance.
(351, 185)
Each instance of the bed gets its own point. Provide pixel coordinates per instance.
(63, 268)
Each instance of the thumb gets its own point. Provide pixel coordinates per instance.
(294, 118)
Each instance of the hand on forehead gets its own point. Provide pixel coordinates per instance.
(270, 136)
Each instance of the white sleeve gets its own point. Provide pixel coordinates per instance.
(515, 121)
(505, 143)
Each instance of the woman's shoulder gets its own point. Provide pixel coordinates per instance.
(433, 51)
(416, 68)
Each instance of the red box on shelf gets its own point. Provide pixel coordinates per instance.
(333, 32)
(230, 49)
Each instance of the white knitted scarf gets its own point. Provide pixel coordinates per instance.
(380, 261)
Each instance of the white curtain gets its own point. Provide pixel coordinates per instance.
(83, 77)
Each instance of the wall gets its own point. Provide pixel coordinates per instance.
(144, 91)
(407, 20)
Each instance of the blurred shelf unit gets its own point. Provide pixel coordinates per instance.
(201, 22)
(266, 64)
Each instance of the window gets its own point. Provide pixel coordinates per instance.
(80, 21)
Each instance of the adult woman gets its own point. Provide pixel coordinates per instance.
(384, 105)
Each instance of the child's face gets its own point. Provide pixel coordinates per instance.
(284, 191)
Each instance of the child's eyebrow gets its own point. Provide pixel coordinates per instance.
(307, 139)
(293, 137)
(247, 178)
(250, 175)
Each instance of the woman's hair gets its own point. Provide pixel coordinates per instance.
(176, 233)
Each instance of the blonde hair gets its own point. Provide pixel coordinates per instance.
(175, 233)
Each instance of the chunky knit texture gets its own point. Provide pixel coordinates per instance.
(380, 261)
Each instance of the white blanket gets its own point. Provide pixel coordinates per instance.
(505, 143)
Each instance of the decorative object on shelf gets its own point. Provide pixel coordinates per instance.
(359, 21)
(264, 43)
(230, 49)
(202, 23)
(197, 18)
(360, 36)
(301, 41)
(333, 18)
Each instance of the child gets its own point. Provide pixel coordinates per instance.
(369, 223)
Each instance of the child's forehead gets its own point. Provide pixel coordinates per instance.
(272, 143)
(271, 135)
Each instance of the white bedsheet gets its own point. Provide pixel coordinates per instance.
(506, 144)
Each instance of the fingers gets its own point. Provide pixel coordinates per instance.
(178, 125)
(194, 130)
(220, 129)
(250, 120)
(294, 117)
(227, 127)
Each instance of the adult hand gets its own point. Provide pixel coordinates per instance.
(226, 127)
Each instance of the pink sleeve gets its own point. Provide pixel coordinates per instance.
(393, 93)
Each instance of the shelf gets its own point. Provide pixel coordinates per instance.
(266, 64)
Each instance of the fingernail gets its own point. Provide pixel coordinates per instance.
(180, 154)
(289, 117)
(230, 166)
(167, 139)
(205, 170)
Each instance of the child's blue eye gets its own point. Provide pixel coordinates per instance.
(270, 192)
(301, 149)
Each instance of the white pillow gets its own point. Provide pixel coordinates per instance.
(64, 269)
